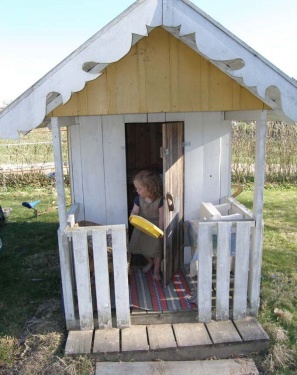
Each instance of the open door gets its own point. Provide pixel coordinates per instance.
(173, 169)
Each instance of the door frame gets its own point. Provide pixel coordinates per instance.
(173, 191)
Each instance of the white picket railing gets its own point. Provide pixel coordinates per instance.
(214, 263)
(214, 239)
(222, 241)
(98, 294)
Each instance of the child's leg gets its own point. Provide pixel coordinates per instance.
(157, 265)
(150, 263)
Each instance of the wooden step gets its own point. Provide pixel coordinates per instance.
(178, 341)
(218, 367)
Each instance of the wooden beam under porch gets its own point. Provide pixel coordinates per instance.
(178, 341)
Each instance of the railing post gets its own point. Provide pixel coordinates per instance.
(67, 280)
(243, 243)
(102, 278)
(120, 270)
(223, 270)
(83, 282)
(204, 278)
(59, 172)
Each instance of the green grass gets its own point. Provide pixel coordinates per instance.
(278, 311)
(29, 265)
(32, 328)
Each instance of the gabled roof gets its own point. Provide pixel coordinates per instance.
(186, 22)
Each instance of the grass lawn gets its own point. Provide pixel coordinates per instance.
(32, 330)
(278, 311)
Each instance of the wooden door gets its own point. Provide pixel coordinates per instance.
(173, 167)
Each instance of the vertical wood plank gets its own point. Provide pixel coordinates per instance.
(72, 214)
(257, 233)
(204, 289)
(174, 76)
(92, 168)
(75, 164)
(223, 270)
(114, 156)
(211, 157)
(141, 75)
(101, 278)
(225, 158)
(120, 271)
(59, 172)
(82, 275)
(243, 242)
(67, 282)
(173, 167)
(193, 165)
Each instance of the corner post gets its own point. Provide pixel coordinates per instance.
(257, 233)
(56, 134)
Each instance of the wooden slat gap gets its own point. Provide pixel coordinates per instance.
(205, 325)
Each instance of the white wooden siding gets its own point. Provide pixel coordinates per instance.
(207, 160)
(193, 192)
(225, 158)
(211, 157)
(75, 164)
(98, 168)
(114, 155)
(92, 164)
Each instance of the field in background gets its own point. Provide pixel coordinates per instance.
(34, 153)
(281, 152)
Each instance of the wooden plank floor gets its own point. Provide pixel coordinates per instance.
(177, 341)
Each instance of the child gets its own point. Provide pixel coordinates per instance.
(148, 204)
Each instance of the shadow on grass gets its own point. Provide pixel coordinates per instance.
(29, 271)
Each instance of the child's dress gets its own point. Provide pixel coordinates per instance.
(142, 243)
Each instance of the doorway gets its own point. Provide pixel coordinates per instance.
(159, 146)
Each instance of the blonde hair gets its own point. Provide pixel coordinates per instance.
(152, 181)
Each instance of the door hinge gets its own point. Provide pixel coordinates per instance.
(184, 144)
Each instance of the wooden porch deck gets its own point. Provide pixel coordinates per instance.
(170, 341)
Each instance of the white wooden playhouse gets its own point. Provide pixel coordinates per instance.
(159, 85)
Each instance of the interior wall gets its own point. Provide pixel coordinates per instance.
(143, 143)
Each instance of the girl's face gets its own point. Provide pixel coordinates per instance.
(142, 191)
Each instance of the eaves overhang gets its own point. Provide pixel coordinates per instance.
(186, 22)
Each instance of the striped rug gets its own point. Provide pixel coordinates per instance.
(149, 294)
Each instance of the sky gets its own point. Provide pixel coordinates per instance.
(36, 35)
